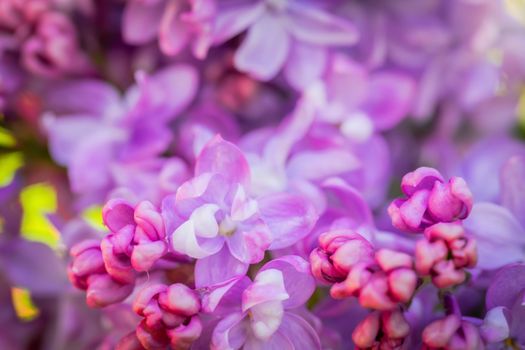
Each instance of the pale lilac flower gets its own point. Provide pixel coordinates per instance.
(282, 34)
(170, 316)
(132, 132)
(429, 200)
(213, 211)
(375, 101)
(260, 314)
(445, 253)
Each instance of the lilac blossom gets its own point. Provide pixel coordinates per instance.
(287, 35)
(260, 313)
(213, 212)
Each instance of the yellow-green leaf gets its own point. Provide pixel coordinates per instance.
(6, 138)
(38, 200)
(516, 8)
(9, 164)
(23, 304)
(93, 216)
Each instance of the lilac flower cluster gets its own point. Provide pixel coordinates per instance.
(262, 174)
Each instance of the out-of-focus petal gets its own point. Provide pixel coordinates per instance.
(263, 52)
(232, 21)
(140, 22)
(299, 332)
(289, 217)
(506, 287)
(315, 26)
(499, 236)
(495, 327)
(305, 64)
(512, 180)
(390, 98)
(319, 165)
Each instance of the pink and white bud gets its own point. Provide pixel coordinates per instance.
(137, 239)
(444, 254)
(452, 332)
(338, 252)
(380, 285)
(381, 330)
(170, 316)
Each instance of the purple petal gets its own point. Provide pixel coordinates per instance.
(230, 333)
(315, 26)
(512, 180)
(299, 332)
(218, 268)
(225, 298)
(174, 34)
(33, 266)
(164, 94)
(318, 165)
(289, 217)
(141, 20)
(305, 64)
(249, 242)
(499, 236)
(390, 99)
(298, 279)
(184, 240)
(264, 50)
(232, 21)
(506, 287)
(223, 158)
(495, 327)
(76, 97)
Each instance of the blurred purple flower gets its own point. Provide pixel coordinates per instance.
(123, 128)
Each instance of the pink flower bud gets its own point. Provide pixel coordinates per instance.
(429, 200)
(137, 240)
(380, 285)
(338, 252)
(87, 272)
(445, 253)
(381, 330)
(170, 316)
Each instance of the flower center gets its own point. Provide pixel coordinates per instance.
(227, 227)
